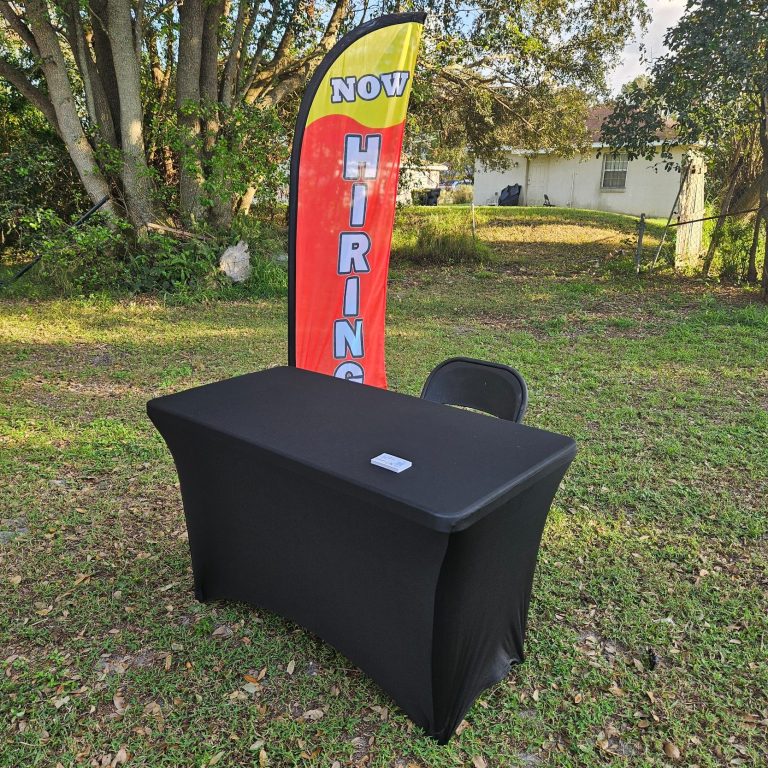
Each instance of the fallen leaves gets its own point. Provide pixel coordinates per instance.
(461, 727)
(107, 761)
(291, 667)
(223, 632)
(671, 750)
(119, 703)
(256, 678)
(14, 580)
(155, 711)
(610, 741)
(313, 714)
(41, 609)
(60, 702)
(479, 762)
(238, 696)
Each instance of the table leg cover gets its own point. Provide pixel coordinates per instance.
(433, 617)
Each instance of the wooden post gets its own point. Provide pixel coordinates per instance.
(688, 237)
(640, 233)
(683, 177)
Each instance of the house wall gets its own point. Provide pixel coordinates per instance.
(576, 183)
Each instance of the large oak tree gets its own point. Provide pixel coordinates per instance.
(176, 109)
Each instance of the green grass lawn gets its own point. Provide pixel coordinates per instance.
(648, 631)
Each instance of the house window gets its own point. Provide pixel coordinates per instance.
(615, 170)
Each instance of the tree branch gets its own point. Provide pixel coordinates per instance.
(230, 68)
(285, 77)
(19, 27)
(258, 56)
(19, 80)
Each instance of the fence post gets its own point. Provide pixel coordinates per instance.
(640, 233)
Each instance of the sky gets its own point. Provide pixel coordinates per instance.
(664, 14)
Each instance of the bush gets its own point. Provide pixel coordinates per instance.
(163, 264)
(420, 196)
(732, 257)
(102, 256)
(34, 168)
(437, 237)
(462, 195)
(89, 259)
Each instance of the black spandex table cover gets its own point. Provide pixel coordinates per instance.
(421, 578)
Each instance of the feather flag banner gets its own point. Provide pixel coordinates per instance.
(344, 172)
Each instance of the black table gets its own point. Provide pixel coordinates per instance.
(421, 578)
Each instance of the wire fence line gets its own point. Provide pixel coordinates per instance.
(719, 216)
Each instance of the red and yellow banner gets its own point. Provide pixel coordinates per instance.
(344, 172)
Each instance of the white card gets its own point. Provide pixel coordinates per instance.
(390, 462)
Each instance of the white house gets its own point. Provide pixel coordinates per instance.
(610, 182)
(415, 177)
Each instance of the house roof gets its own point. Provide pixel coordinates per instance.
(598, 114)
(594, 122)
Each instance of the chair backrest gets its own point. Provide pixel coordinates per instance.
(489, 387)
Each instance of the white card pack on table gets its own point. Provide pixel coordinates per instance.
(390, 462)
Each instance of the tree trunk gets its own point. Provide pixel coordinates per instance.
(220, 212)
(752, 266)
(763, 212)
(95, 97)
(749, 198)
(724, 208)
(137, 183)
(229, 78)
(105, 66)
(60, 90)
(192, 17)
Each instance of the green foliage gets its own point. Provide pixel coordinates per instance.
(462, 195)
(495, 74)
(98, 258)
(250, 149)
(732, 257)
(79, 261)
(269, 255)
(437, 236)
(168, 265)
(35, 170)
(707, 83)
(420, 196)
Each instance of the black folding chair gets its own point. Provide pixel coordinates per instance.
(489, 387)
